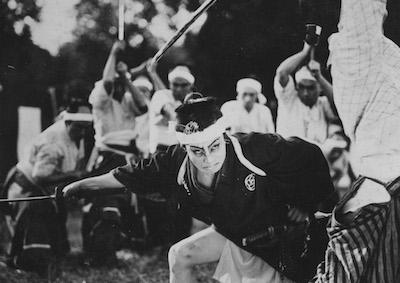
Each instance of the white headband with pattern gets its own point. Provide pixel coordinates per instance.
(192, 136)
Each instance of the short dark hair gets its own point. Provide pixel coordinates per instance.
(197, 108)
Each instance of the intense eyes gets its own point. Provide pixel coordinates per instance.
(214, 148)
(201, 152)
(197, 152)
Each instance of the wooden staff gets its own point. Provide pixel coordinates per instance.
(28, 199)
(204, 7)
(121, 19)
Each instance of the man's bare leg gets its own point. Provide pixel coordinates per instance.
(202, 247)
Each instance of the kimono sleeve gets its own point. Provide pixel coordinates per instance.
(303, 174)
(153, 175)
(297, 170)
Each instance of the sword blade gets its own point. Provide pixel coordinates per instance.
(121, 19)
(204, 7)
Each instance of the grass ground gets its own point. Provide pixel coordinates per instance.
(149, 267)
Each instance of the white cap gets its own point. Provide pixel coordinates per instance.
(247, 83)
(182, 72)
(304, 74)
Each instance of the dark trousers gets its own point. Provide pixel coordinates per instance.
(40, 235)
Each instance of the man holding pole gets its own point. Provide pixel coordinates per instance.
(117, 103)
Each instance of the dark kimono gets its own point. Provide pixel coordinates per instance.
(261, 175)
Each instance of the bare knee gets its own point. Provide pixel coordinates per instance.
(180, 257)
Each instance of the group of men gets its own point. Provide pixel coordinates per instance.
(175, 154)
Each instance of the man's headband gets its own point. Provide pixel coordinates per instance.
(190, 134)
(77, 117)
(181, 73)
(246, 83)
(304, 74)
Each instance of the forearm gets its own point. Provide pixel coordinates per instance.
(57, 178)
(100, 185)
(157, 82)
(109, 69)
(291, 64)
(138, 97)
(326, 88)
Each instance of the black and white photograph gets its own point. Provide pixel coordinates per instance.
(184, 141)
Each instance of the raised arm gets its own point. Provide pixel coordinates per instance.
(291, 64)
(109, 69)
(137, 96)
(327, 90)
(152, 71)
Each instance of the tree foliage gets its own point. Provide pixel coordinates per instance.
(24, 72)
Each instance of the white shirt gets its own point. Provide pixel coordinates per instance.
(259, 119)
(366, 85)
(51, 152)
(143, 130)
(110, 115)
(296, 119)
(159, 131)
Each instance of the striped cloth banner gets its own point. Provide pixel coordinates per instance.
(367, 249)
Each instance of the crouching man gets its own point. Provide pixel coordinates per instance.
(242, 185)
(38, 228)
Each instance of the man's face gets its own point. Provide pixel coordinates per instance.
(308, 92)
(76, 130)
(208, 157)
(248, 98)
(180, 88)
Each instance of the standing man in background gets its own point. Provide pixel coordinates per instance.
(116, 105)
(166, 225)
(163, 105)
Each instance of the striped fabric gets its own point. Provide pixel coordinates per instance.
(367, 249)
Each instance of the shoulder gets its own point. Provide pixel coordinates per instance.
(163, 93)
(50, 140)
(271, 147)
(229, 105)
(263, 108)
